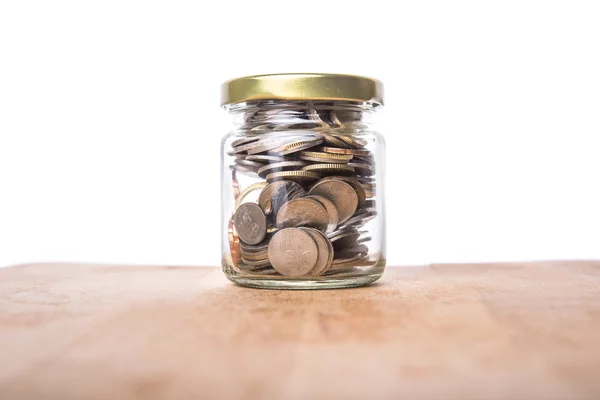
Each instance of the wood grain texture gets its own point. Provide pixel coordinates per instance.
(489, 331)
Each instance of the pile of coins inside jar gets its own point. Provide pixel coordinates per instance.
(314, 189)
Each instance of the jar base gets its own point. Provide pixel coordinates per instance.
(304, 284)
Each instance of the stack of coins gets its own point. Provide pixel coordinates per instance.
(316, 190)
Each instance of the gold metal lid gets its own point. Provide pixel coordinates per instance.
(326, 87)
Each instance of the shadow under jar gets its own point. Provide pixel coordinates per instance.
(303, 182)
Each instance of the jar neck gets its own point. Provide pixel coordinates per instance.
(280, 115)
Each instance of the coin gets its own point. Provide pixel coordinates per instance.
(235, 186)
(255, 248)
(263, 171)
(363, 168)
(296, 146)
(325, 157)
(250, 165)
(277, 193)
(329, 168)
(244, 140)
(264, 158)
(341, 194)
(250, 223)
(353, 141)
(266, 145)
(342, 233)
(345, 240)
(334, 118)
(262, 256)
(324, 250)
(358, 188)
(247, 191)
(332, 212)
(290, 146)
(346, 261)
(333, 140)
(353, 152)
(268, 142)
(234, 243)
(297, 176)
(359, 219)
(292, 252)
(303, 211)
(252, 145)
(371, 204)
(248, 265)
(348, 116)
(313, 115)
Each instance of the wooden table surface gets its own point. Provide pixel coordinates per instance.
(488, 331)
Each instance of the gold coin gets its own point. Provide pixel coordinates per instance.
(338, 150)
(330, 168)
(353, 141)
(296, 176)
(325, 157)
(296, 146)
(333, 140)
(265, 170)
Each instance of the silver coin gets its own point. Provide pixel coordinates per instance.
(252, 165)
(244, 140)
(246, 265)
(303, 212)
(362, 168)
(292, 252)
(345, 241)
(348, 232)
(250, 223)
(340, 193)
(360, 218)
(332, 212)
(256, 248)
(275, 194)
(264, 158)
(265, 145)
(324, 249)
(358, 188)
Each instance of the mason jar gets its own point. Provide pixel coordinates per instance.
(303, 196)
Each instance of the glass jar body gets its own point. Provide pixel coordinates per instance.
(303, 195)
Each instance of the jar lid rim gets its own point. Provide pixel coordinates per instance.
(302, 86)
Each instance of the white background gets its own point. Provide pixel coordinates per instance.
(110, 122)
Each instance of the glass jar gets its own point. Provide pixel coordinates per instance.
(303, 182)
